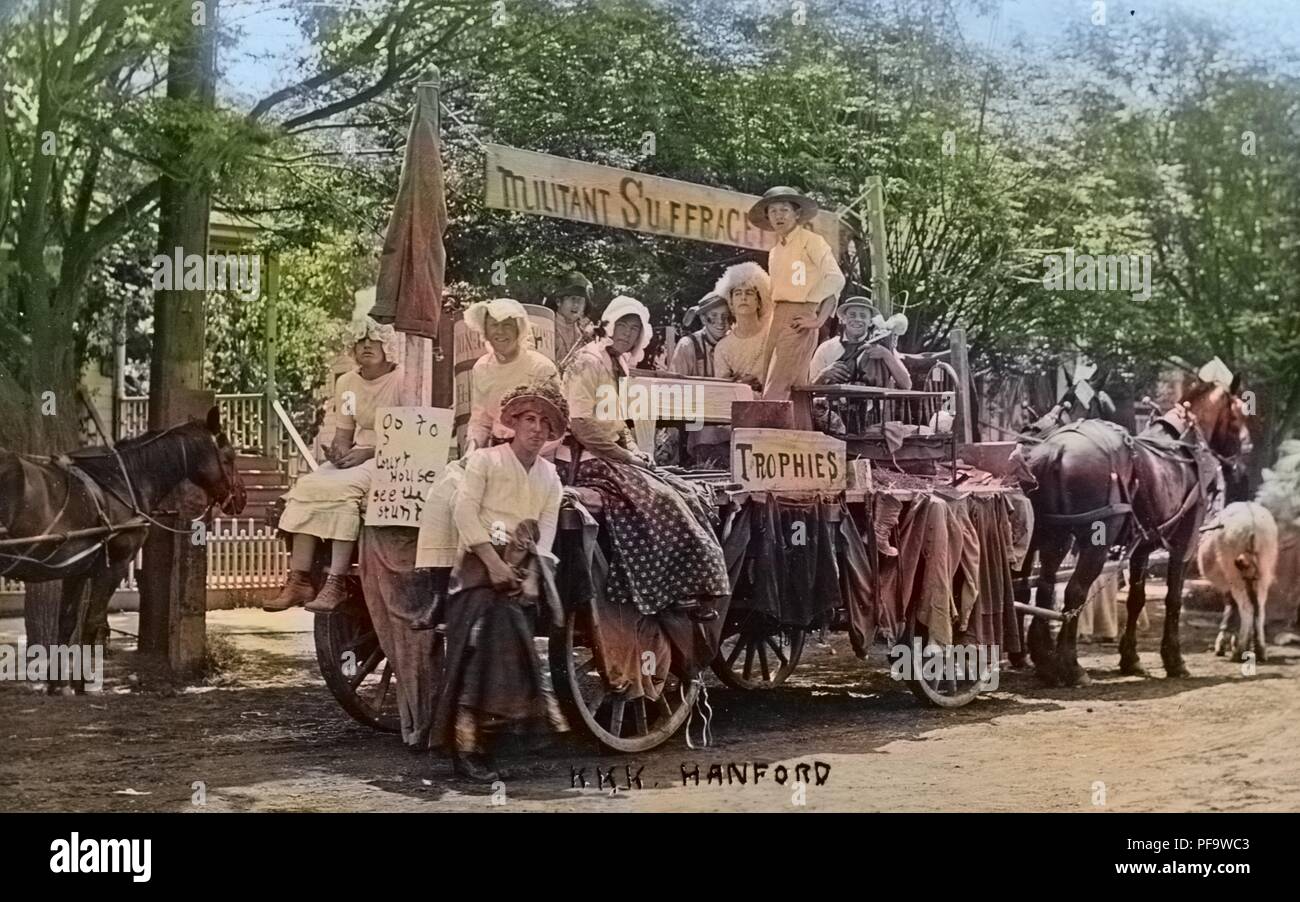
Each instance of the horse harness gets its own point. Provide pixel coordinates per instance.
(95, 491)
(96, 494)
(1124, 491)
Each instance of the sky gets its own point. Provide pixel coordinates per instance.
(268, 41)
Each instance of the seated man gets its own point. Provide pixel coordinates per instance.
(509, 361)
(854, 358)
(709, 446)
(327, 504)
(572, 327)
(507, 511)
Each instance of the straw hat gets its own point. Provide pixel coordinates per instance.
(708, 302)
(544, 397)
(805, 208)
(858, 301)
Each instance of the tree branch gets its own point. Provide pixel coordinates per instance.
(367, 45)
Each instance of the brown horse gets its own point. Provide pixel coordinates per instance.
(1100, 487)
(111, 490)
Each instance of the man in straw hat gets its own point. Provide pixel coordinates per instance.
(861, 354)
(509, 361)
(570, 297)
(506, 511)
(693, 355)
(806, 281)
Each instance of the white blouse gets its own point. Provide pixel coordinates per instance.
(356, 400)
(591, 388)
(497, 494)
(490, 380)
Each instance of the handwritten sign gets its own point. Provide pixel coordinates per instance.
(411, 452)
(777, 460)
(526, 182)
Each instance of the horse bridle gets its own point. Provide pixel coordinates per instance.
(134, 505)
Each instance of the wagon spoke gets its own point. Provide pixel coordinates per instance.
(662, 704)
(616, 716)
(762, 658)
(779, 654)
(639, 716)
(749, 659)
(384, 682)
(735, 651)
(368, 667)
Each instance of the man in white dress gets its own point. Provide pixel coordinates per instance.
(508, 362)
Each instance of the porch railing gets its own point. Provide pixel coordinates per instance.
(244, 418)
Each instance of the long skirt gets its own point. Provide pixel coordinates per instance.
(492, 679)
(788, 351)
(387, 559)
(664, 550)
(327, 504)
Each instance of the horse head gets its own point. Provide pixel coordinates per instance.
(1220, 415)
(217, 474)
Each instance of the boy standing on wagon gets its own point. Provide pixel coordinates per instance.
(806, 282)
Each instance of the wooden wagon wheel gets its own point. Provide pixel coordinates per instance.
(954, 689)
(621, 724)
(355, 668)
(752, 656)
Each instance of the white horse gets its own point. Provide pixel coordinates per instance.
(1238, 555)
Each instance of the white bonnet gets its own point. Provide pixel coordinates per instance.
(620, 307)
(364, 327)
(501, 309)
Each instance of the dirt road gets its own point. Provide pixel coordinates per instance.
(265, 735)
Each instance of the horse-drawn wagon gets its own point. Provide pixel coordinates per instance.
(800, 562)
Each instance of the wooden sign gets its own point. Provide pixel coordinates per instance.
(680, 399)
(526, 182)
(412, 451)
(469, 347)
(779, 460)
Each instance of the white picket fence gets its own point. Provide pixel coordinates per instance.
(242, 554)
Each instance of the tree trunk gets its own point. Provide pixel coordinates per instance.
(174, 588)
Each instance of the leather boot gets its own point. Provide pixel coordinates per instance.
(297, 590)
(475, 767)
(332, 594)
